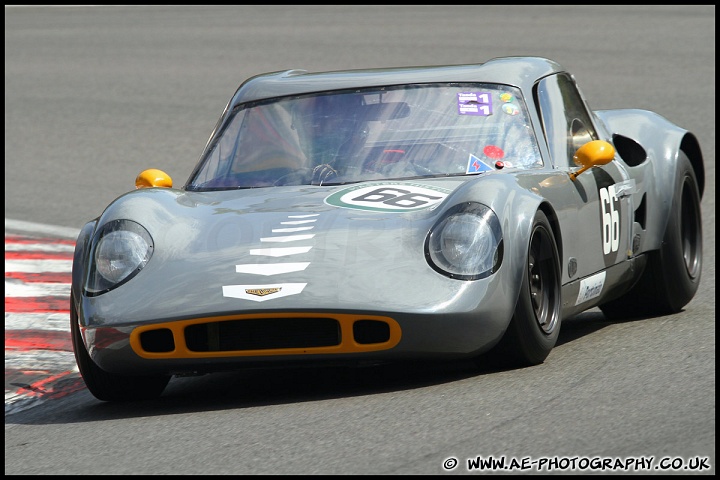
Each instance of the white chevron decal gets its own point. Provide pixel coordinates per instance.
(279, 251)
(271, 269)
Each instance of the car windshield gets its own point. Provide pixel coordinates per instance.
(330, 138)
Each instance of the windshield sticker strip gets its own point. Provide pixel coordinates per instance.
(474, 103)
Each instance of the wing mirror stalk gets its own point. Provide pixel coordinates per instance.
(592, 154)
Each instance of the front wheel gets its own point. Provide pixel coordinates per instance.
(535, 325)
(107, 386)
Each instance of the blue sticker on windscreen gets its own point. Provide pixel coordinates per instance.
(474, 103)
(475, 165)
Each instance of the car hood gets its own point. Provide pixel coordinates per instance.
(295, 248)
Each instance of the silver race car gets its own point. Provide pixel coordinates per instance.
(352, 217)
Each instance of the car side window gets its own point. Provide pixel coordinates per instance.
(566, 121)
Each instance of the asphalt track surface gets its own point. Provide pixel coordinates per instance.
(95, 94)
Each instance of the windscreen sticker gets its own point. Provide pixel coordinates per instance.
(475, 165)
(493, 151)
(388, 197)
(510, 109)
(590, 288)
(475, 103)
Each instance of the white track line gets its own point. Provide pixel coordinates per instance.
(38, 321)
(20, 289)
(38, 266)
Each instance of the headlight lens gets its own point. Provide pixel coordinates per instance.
(121, 249)
(466, 243)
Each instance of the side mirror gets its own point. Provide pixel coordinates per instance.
(592, 154)
(152, 177)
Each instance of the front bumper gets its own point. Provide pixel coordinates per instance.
(265, 339)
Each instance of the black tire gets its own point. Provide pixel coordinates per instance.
(535, 325)
(672, 275)
(107, 386)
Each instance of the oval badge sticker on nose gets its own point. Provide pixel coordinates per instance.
(388, 197)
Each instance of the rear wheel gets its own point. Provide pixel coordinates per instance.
(535, 325)
(107, 386)
(672, 275)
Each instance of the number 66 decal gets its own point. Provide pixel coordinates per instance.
(610, 219)
(388, 197)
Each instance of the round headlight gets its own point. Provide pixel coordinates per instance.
(466, 243)
(121, 250)
(118, 254)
